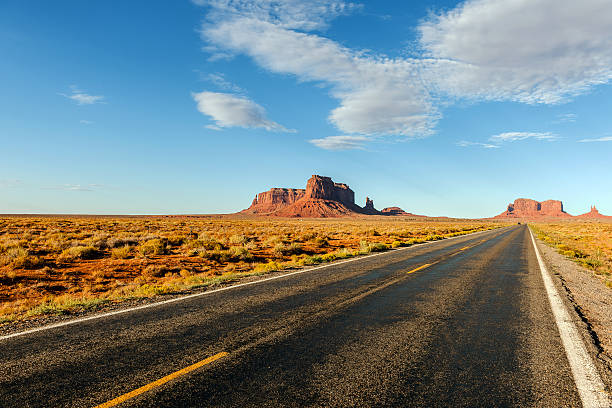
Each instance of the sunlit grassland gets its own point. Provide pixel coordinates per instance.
(588, 243)
(51, 265)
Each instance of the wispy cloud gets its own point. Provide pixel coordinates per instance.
(599, 139)
(76, 187)
(86, 122)
(465, 143)
(81, 97)
(220, 81)
(514, 136)
(566, 118)
(340, 142)
(228, 110)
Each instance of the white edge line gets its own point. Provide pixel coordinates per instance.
(208, 292)
(588, 382)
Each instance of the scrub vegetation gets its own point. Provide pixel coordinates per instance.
(589, 243)
(53, 265)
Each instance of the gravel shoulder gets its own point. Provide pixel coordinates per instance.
(591, 299)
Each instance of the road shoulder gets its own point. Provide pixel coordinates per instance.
(591, 304)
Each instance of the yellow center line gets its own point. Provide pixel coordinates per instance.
(464, 248)
(161, 381)
(421, 267)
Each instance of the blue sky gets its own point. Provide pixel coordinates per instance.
(147, 107)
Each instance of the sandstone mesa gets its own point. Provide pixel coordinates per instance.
(322, 198)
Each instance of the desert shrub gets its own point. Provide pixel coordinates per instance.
(433, 237)
(99, 240)
(155, 271)
(116, 242)
(152, 247)
(240, 254)
(203, 243)
(311, 260)
(238, 239)
(274, 240)
(328, 257)
(282, 249)
(218, 255)
(344, 253)
(268, 267)
(176, 240)
(378, 247)
(13, 254)
(121, 252)
(321, 241)
(78, 252)
(396, 244)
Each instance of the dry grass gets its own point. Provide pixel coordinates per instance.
(589, 243)
(51, 265)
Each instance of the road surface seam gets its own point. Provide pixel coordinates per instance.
(588, 382)
(164, 302)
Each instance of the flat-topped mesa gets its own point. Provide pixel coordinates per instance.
(527, 208)
(396, 211)
(321, 198)
(274, 199)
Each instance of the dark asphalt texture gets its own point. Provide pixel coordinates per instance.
(473, 330)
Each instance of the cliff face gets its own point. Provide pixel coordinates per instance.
(274, 199)
(319, 187)
(527, 208)
(321, 198)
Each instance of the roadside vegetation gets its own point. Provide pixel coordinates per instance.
(588, 243)
(51, 265)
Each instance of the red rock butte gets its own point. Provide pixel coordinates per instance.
(594, 213)
(527, 208)
(322, 198)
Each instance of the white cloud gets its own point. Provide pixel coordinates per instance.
(220, 81)
(228, 110)
(213, 127)
(599, 139)
(514, 136)
(378, 96)
(465, 143)
(82, 98)
(532, 51)
(566, 118)
(305, 15)
(340, 142)
(86, 122)
(536, 51)
(75, 187)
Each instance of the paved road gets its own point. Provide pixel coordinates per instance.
(473, 328)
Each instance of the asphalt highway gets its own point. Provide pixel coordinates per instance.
(463, 322)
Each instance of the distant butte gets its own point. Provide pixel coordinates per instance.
(594, 213)
(322, 198)
(527, 208)
(399, 211)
